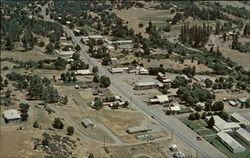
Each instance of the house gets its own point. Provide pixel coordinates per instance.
(141, 70)
(161, 77)
(230, 143)
(66, 53)
(118, 69)
(87, 123)
(137, 129)
(11, 115)
(232, 103)
(242, 100)
(96, 37)
(222, 125)
(83, 72)
(239, 118)
(159, 99)
(113, 60)
(145, 85)
(175, 108)
(124, 42)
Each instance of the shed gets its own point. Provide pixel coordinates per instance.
(230, 143)
(138, 129)
(11, 115)
(159, 99)
(83, 72)
(87, 123)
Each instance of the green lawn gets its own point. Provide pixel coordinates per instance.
(154, 18)
(206, 132)
(195, 124)
(225, 150)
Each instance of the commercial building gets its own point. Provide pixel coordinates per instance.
(147, 85)
(83, 72)
(118, 70)
(87, 123)
(221, 125)
(138, 129)
(11, 115)
(230, 143)
(159, 99)
(243, 135)
(161, 77)
(242, 120)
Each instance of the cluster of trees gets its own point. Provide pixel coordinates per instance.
(216, 106)
(223, 83)
(24, 108)
(241, 12)
(78, 63)
(194, 94)
(189, 71)
(98, 103)
(103, 80)
(68, 77)
(196, 35)
(37, 87)
(179, 81)
(246, 31)
(101, 53)
(58, 123)
(194, 116)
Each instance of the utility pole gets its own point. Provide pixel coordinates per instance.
(104, 142)
(172, 134)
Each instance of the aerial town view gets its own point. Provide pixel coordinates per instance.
(125, 79)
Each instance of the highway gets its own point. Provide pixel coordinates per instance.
(181, 132)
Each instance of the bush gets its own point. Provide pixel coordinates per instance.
(58, 123)
(218, 106)
(35, 124)
(70, 130)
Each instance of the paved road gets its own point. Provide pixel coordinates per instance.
(183, 133)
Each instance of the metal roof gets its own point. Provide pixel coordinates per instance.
(244, 134)
(232, 143)
(11, 114)
(146, 84)
(87, 122)
(240, 118)
(83, 72)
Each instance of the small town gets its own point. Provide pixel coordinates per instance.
(125, 79)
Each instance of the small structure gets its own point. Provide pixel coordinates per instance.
(11, 115)
(66, 53)
(230, 143)
(77, 86)
(242, 120)
(96, 37)
(141, 70)
(243, 135)
(83, 72)
(137, 129)
(232, 103)
(113, 60)
(145, 137)
(179, 154)
(68, 22)
(146, 85)
(118, 70)
(159, 99)
(173, 147)
(161, 77)
(175, 108)
(221, 125)
(87, 123)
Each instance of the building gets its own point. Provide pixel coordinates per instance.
(161, 77)
(230, 143)
(87, 123)
(221, 125)
(147, 85)
(118, 70)
(238, 118)
(243, 135)
(141, 70)
(83, 72)
(175, 108)
(145, 137)
(96, 37)
(124, 42)
(66, 53)
(11, 115)
(137, 129)
(159, 99)
(232, 103)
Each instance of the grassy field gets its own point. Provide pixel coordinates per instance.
(195, 124)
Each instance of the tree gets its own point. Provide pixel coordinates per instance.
(9, 43)
(91, 155)
(218, 106)
(24, 107)
(96, 78)
(192, 116)
(6, 82)
(208, 83)
(95, 69)
(208, 106)
(248, 103)
(58, 123)
(203, 116)
(211, 122)
(98, 104)
(35, 124)
(70, 130)
(105, 81)
(49, 48)
(198, 108)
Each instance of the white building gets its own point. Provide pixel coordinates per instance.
(244, 135)
(11, 115)
(83, 72)
(159, 99)
(230, 143)
(238, 118)
(87, 123)
(161, 77)
(147, 85)
(141, 70)
(221, 125)
(118, 70)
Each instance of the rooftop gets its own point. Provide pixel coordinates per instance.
(11, 114)
(244, 134)
(231, 142)
(240, 118)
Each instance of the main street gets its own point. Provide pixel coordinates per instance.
(181, 132)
